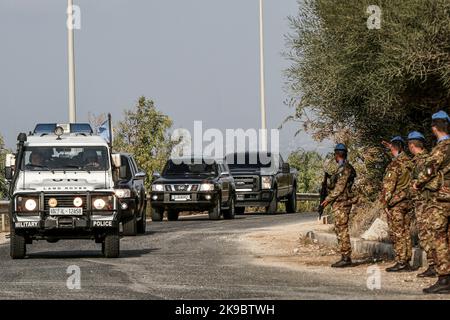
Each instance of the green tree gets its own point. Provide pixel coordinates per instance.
(372, 83)
(3, 185)
(144, 133)
(309, 165)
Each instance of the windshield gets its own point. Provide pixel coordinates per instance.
(65, 158)
(240, 161)
(172, 168)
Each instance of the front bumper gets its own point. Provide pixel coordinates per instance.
(90, 220)
(260, 198)
(199, 201)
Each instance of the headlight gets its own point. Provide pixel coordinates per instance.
(158, 187)
(266, 182)
(99, 204)
(77, 202)
(123, 193)
(27, 204)
(30, 204)
(206, 187)
(103, 203)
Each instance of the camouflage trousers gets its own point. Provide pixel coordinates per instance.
(425, 232)
(399, 223)
(341, 214)
(439, 223)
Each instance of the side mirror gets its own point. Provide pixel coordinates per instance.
(140, 175)
(10, 163)
(116, 159)
(9, 173)
(286, 168)
(123, 173)
(156, 175)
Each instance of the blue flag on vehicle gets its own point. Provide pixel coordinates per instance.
(103, 131)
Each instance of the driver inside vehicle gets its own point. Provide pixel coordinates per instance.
(91, 159)
(36, 159)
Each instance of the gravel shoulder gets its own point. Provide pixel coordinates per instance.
(288, 247)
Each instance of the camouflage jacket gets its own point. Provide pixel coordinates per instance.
(435, 177)
(340, 184)
(419, 164)
(397, 181)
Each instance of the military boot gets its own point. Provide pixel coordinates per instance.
(429, 273)
(400, 267)
(344, 262)
(441, 286)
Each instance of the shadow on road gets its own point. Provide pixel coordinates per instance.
(87, 254)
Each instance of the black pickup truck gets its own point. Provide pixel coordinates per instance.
(193, 185)
(130, 190)
(263, 180)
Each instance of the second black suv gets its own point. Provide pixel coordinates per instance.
(130, 189)
(195, 184)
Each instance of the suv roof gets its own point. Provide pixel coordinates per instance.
(65, 140)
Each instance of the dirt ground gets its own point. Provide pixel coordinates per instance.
(289, 247)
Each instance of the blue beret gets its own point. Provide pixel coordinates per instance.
(398, 138)
(442, 115)
(340, 147)
(415, 135)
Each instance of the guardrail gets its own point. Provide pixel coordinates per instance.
(3, 214)
(308, 197)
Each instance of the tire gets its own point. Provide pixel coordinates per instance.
(157, 214)
(273, 206)
(18, 247)
(111, 245)
(130, 227)
(142, 224)
(230, 213)
(239, 210)
(173, 215)
(291, 204)
(216, 212)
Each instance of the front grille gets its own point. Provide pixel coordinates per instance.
(181, 187)
(247, 183)
(64, 201)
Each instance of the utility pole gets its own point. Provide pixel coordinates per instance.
(262, 78)
(71, 62)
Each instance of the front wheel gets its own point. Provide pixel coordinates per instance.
(291, 204)
(273, 206)
(18, 247)
(216, 212)
(130, 227)
(230, 212)
(157, 214)
(172, 215)
(111, 245)
(142, 224)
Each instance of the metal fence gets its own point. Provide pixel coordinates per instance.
(308, 197)
(4, 215)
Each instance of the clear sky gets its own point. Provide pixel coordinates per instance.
(197, 59)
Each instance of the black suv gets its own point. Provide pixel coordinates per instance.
(130, 189)
(193, 185)
(263, 180)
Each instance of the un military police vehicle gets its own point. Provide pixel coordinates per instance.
(62, 187)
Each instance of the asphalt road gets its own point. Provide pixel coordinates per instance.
(190, 259)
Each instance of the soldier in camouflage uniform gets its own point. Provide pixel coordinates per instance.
(436, 179)
(416, 144)
(340, 197)
(395, 197)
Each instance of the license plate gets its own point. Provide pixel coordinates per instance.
(66, 211)
(181, 197)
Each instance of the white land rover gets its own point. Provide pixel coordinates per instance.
(62, 187)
